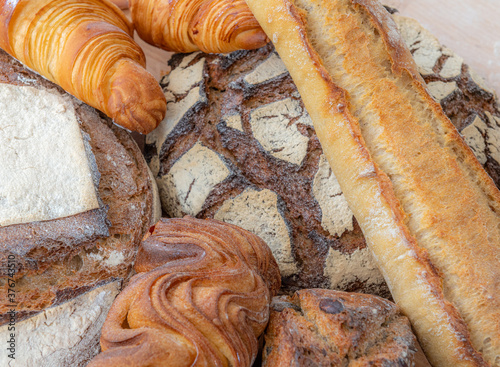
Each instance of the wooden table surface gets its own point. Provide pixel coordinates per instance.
(471, 28)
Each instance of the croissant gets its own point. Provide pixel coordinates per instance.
(86, 47)
(201, 298)
(212, 26)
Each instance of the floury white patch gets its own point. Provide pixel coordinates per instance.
(342, 269)
(45, 172)
(184, 83)
(191, 179)
(182, 79)
(473, 136)
(336, 216)
(257, 212)
(269, 69)
(441, 90)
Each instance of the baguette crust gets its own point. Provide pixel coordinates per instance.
(371, 139)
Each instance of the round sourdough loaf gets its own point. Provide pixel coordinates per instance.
(67, 271)
(237, 145)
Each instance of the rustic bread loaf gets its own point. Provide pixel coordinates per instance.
(238, 145)
(428, 210)
(57, 260)
(201, 298)
(320, 327)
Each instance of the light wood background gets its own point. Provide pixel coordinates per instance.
(471, 28)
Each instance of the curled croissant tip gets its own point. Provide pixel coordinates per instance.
(251, 39)
(136, 101)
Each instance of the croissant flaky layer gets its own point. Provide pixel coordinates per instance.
(212, 26)
(86, 47)
(201, 298)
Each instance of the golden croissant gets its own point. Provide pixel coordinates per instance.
(212, 26)
(86, 47)
(201, 298)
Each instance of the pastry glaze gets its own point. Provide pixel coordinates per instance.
(86, 47)
(428, 210)
(212, 26)
(201, 298)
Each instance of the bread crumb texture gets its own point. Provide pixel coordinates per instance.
(45, 173)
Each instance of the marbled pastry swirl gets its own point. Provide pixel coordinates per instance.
(213, 26)
(201, 298)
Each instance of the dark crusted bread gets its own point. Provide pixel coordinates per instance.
(319, 327)
(58, 260)
(238, 145)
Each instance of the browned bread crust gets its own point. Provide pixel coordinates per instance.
(319, 327)
(60, 259)
(422, 199)
(201, 297)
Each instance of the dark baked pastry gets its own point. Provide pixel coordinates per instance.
(319, 327)
(201, 298)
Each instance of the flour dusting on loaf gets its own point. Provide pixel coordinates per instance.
(441, 90)
(54, 337)
(191, 179)
(267, 70)
(258, 212)
(275, 127)
(45, 172)
(343, 269)
(336, 216)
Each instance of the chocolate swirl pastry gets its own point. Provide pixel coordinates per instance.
(201, 298)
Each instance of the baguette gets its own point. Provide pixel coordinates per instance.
(86, 47)
(428, 210)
